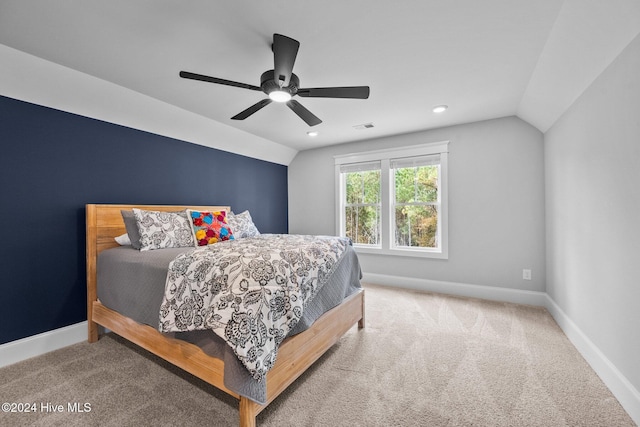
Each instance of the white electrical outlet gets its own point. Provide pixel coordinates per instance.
(526, 274)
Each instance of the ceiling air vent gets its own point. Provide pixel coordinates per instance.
(364, 126)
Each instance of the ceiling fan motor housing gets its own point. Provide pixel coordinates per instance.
(268, 83)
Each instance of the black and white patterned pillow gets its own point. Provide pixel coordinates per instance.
(159, 230)
(242, 225)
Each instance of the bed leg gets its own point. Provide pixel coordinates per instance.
(248, 411)
(361, 321)
(93, 331)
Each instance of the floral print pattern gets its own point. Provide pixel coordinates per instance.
(242, 225)
(251, 292)
(160, 230)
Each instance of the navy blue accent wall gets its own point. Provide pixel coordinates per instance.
(52, 163)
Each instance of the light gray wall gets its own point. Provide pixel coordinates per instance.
(496, 203)
(592, 160)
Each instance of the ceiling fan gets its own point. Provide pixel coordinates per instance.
(281, 84)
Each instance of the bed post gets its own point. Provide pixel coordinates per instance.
(248, 412)
(91, 250)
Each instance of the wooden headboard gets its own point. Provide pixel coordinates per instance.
(104, 222)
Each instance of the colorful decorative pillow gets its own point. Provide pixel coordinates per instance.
(159, 230)
(242, 225)
(209, 227)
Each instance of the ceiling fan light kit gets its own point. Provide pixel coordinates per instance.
(281, 85)
(280, 96)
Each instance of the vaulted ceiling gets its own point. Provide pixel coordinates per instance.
(484, 59)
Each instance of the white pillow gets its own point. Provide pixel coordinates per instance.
(123, 240)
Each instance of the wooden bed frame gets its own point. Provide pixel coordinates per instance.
(296, 354)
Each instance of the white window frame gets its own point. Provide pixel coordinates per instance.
(387, 238)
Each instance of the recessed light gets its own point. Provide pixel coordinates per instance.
(312, 133)
(364, 126)
(440, 108)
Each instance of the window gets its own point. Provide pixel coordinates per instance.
(362, 205)
(415, 201)
(394, 201)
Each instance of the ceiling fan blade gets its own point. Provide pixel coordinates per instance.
(285, 50)
(356, 92)
(249, 111)
(304, 114)
(194, 76)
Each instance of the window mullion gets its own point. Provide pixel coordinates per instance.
(339, 190)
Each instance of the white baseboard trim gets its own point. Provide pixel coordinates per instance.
(26, 348)
(460, 289)
(622, 389)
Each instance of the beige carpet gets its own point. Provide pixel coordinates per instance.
(423, 360)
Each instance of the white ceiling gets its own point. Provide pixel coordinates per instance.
(484, 59)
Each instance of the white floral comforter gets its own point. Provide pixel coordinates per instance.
(250, 292)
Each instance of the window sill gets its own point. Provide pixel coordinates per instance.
(414, 253)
